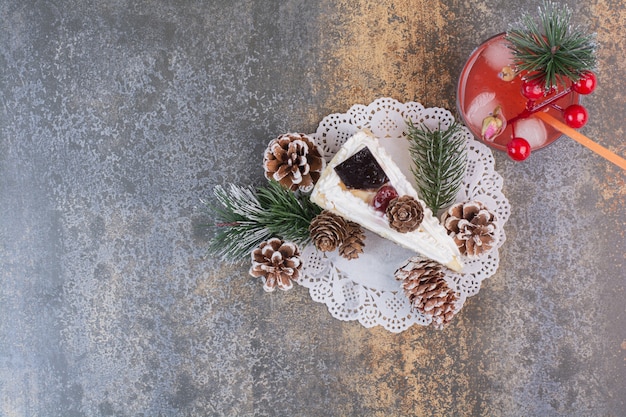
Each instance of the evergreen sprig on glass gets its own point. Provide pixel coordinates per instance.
(246, 217)
(439, 163)
(552, 51)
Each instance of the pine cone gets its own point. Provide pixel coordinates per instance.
(423, 282)
(278, 263)
(472, 226)
(328, 230)
(405, 214)
(352, 245)
(294, 161)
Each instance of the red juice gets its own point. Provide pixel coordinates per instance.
(482, 88)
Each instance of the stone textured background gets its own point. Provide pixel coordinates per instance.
(117, 117)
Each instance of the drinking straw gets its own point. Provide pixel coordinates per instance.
(582, 139)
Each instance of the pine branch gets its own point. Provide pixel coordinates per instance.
(286, 213)
(247, 217)
(439, 163)
(552, 51)
(237, 226)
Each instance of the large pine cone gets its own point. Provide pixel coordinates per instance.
(294, 161)
(423, 282)
(472, 226)
(328, 230)
(352, 245)
(405, 214)
(278, 263)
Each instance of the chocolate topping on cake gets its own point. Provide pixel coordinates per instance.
(361, 171)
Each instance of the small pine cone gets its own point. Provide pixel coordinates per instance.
(328, 230)
(472, 226)
(294, 161)
(405, 214)
(428, 292)
(352, 245)
(278, 263)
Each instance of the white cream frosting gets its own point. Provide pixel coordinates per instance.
(429, 240)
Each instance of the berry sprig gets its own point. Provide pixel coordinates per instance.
(553, 61)
(574, 115)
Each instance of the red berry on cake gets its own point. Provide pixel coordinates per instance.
(385, 194)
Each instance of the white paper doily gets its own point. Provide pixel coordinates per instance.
(365, 289)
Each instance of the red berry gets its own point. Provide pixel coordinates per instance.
(518, 149)
(586, 83)
(575, 116)
(533, 89)
(385, 194)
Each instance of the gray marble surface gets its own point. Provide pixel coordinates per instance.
(118, 117)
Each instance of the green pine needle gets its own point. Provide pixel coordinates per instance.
(552, 51)
(287, 214)
(247, 217)
(439, 163)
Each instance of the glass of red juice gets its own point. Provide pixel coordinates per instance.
(484, 85)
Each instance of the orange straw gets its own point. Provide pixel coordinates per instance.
(582, 139)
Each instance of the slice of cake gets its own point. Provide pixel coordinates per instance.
(361, 181)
